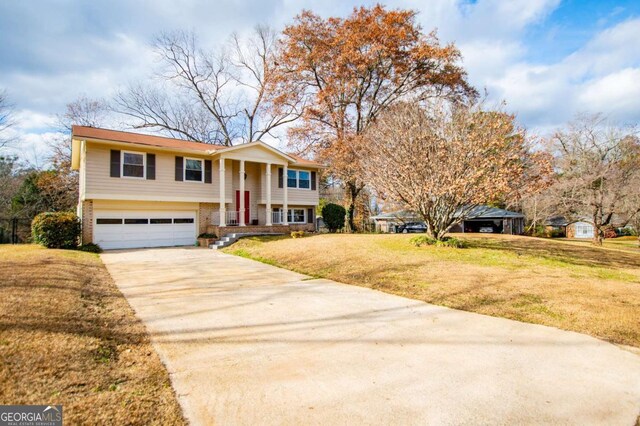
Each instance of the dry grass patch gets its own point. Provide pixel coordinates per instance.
(68, 336)
(629, 244)
(571, 286)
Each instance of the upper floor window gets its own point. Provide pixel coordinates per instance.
(292, 178)
(300, 179)
(193, 170)
(304, 179)
(133, 164)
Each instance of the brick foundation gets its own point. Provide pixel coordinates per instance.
(87, 221)
(222, 231)
(205, 210)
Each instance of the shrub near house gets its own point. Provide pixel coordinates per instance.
(333, 216)
(56, 230)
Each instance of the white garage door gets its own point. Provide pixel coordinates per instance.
(132, 229)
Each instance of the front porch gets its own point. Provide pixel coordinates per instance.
(257, 187)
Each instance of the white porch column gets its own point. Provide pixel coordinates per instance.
(241, 207)
(268, 183)
(222, 210)
(285, 197)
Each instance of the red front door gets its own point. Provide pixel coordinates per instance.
(246, 205)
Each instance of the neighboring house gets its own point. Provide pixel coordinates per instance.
(388, 222)
(485, 217)
(148, 191)
(501, 221)
(583, 228)
(556, 226)
(580, 230)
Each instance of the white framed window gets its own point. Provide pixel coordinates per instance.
(296, 216)
(293, 215)
(298, 179)
(133, 165)
(304, 179)
(292, 178)
(193, 170)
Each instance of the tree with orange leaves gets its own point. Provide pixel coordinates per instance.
(350, 70)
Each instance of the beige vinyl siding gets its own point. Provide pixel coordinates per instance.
(143, 205)
(83, 170)
(99, 185)
(303, 197)
(96, 182)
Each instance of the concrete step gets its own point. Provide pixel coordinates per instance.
(232, 238)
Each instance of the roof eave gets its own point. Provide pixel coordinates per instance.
(141, 145)
(252, 144)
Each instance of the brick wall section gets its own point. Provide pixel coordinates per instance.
(87, 221)
(275, 229)
(204, 214)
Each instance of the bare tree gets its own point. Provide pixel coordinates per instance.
(632, 209)
(635, 223)
(215, 97)
(445, 160)
(7, 119)
(537, 208)
(10, 180)
(598, 168)
(83, 112)
(631, 206)
(59, 185)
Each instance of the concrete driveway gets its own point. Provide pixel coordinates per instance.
(248, 343)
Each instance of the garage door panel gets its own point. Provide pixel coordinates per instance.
(113, 231)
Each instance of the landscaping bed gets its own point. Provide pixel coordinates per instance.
(68, 336)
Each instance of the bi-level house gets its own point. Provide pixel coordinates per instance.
(148, 191)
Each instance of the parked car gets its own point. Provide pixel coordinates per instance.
(413, 227)
(486, 230)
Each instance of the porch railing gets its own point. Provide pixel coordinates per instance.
(231, 218)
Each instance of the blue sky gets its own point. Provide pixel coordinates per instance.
(547, 59)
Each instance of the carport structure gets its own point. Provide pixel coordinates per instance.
(499, 220)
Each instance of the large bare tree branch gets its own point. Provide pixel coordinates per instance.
(220, 97)
(598, 168)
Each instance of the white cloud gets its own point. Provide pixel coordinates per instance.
(485, 59)
(497, 19)
(616, 94)
(34, 148)
(609, 50)
(31, 121)
(602, 76)
(94, 48)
